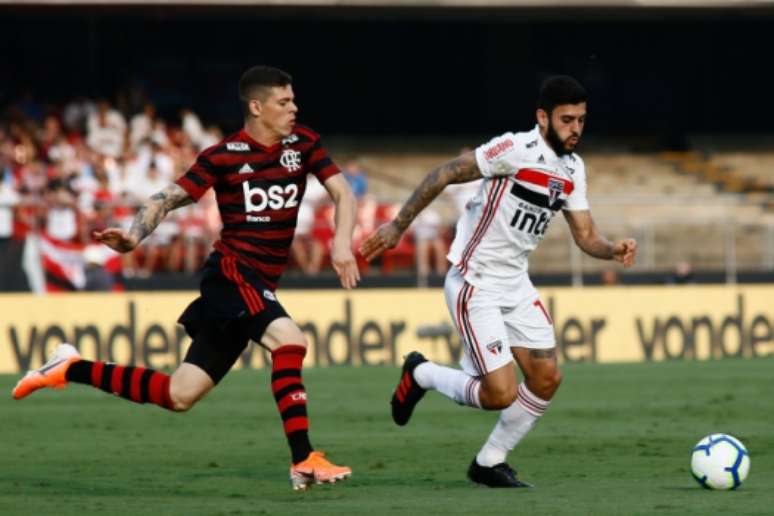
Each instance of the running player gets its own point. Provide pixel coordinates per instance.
(528, 178)
(259, 175)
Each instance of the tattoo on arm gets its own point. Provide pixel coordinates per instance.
(460, 170)
(150, 214)
(542, 353)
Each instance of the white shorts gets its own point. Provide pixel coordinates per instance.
(490, 323)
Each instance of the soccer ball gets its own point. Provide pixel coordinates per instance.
(720, 461)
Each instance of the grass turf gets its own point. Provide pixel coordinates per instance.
(617, 440)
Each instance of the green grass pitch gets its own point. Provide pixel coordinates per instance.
(617, 440)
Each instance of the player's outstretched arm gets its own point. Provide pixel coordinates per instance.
(148, 217)
(342, 259)
(588, 238)
(460, 170)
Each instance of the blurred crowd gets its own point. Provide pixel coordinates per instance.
(68, 170)
(85, 166)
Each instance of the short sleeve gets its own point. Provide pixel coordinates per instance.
(199, 178)
(577, 200)
(500, 156)
(320, 164)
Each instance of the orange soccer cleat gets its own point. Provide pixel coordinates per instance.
(316, 469)
(51, 374)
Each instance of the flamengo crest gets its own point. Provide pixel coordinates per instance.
(291, 160)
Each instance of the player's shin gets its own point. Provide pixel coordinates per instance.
(136, 384)
(514, 423)
(452, 383)
(290, 395)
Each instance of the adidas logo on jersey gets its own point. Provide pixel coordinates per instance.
(541, 159)
(237, 146)
(246, 169)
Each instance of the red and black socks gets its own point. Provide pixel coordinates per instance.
(290, 395)
(132, 383)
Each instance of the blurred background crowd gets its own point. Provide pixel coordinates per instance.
(105, 105)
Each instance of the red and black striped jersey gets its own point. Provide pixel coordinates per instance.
(259, 190)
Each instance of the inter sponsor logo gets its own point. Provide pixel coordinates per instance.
(237, 146)
(497, 149)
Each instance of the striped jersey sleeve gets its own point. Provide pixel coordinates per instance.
(199, 178)
(320, 163)
(500, 156)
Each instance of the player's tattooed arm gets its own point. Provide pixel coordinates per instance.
(460, 170)
(593, 243)
(148, 217)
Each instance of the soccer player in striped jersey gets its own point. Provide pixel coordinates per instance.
(259, 175)
(528, 178)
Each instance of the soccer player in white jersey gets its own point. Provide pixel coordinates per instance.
(528, 178)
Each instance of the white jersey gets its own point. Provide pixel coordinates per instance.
(525, 185)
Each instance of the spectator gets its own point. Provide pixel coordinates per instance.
(97, 278)
(305, 250)
(60, 210)
(9, 199)
(683, 274)
(356, 178)
(106, 130)
(430, 246)
(141, 126)
(609, 277)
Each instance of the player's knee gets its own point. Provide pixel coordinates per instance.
(497, 397)
(545, 385)
(181, 401)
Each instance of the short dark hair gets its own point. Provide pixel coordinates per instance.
(558, 90)
(257, 80)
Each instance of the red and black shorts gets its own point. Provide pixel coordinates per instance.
(235, 306)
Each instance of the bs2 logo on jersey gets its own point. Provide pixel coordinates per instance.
(276, 197)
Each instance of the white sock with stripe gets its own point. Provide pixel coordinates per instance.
(452, 383)
(514, 423)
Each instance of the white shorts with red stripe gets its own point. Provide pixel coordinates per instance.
(490, 323)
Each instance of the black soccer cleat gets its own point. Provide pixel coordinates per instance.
(408, 392)
(499, 475)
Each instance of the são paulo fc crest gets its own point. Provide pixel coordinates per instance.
(555, 187)
(291, 160)
(495, 347)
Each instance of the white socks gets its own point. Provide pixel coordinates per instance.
(514, 423)
(452, 383)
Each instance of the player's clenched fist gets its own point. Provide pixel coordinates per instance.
(116, 239)
(385, 237)
(625, 251)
